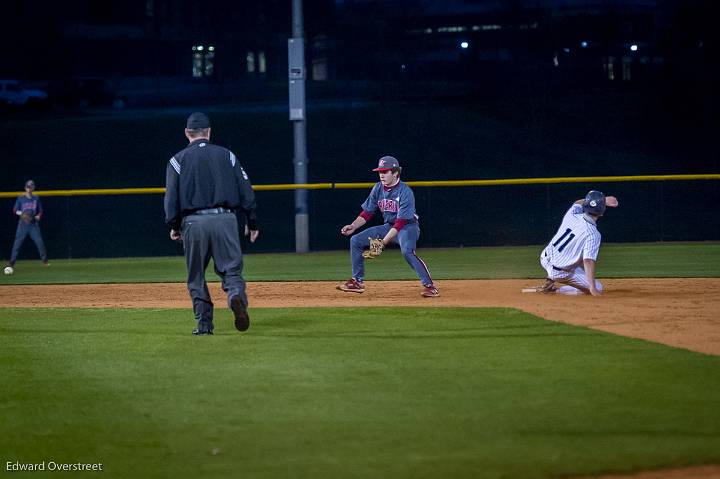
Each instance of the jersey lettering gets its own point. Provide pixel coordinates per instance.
(388, 205)
(30, 206)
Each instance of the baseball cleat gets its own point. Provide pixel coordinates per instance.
(242, 319)
(197, 332)
(547, 287)
(430, 292)
(351, 286)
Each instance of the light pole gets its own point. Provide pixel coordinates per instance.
(296, 76)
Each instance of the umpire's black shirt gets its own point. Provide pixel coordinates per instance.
(204, 176)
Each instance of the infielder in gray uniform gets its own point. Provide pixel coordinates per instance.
(396, 202)
(29, 210)
(570, 257)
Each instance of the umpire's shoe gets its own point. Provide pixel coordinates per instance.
(242, 320)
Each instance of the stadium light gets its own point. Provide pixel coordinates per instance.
(633, 47)
(464, 45)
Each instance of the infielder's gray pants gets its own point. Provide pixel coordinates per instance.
(28, 229)
(407, 239)
(212, 236)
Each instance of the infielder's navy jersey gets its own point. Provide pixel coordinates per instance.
(396, 203)
(203, 176)
(577, 239)
(31, 206)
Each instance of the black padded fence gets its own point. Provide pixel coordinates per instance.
(132, 225)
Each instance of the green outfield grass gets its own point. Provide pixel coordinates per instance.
(701, 259)
(330, 393)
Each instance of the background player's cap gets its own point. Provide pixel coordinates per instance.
(198, 121)
(29, 184)
(387, 163)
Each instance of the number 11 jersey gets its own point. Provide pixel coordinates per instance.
(577, 239)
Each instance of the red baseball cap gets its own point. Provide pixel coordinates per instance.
(387, 163)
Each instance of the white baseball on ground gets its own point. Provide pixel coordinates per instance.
(8, 270)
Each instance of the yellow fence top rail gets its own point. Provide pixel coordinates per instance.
(343, 186)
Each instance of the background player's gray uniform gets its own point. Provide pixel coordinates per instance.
(30, 208)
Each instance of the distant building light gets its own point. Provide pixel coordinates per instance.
(627, 68)
(209, 63)
(203, 62)
(464, 45)
(197, 64)
(633, 47)
(610, 68)
(584, 44)
(262, 65)
(419, 31)
(477, 28)
(451, 29)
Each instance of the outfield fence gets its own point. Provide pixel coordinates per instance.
(129, 221)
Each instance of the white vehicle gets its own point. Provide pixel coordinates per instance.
(12, 93)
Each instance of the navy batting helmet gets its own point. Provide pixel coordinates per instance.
(594, 203)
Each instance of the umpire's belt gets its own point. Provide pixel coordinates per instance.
(212, 211)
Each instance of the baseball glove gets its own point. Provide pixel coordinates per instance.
(376, 248)
(26, 218)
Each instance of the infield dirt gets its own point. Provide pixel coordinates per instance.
(683, 313)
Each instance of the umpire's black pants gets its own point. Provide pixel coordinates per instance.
(212, 236)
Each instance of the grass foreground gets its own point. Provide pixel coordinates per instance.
(371, 392)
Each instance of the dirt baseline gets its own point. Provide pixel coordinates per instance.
(678, 312)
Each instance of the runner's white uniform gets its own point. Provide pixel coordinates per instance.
(577, 239)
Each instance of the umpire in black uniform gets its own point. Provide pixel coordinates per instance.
(205, 185)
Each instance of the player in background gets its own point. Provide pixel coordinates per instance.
(396, 202)
(570, 257)
(29, 210)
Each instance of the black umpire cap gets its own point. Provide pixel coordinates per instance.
(198, 121)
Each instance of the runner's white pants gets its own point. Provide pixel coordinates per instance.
(574, 281)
